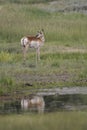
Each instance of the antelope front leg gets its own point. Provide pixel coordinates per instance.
(38, 54)
(36, 57)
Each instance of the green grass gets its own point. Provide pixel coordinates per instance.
(63, 57)
(25, 2)
(60, 120)
(17, 20)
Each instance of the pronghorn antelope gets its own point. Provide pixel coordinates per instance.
(33, 42)
(33, 103)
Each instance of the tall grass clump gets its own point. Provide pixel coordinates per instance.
(5, 57)
(7, 84)
(5, 80)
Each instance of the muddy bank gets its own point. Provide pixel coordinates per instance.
(63, 91)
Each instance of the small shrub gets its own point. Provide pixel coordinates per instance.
(5, 57)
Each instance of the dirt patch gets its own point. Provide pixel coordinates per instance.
(43, 80)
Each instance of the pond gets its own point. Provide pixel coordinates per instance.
(64, 99)
(68, 102)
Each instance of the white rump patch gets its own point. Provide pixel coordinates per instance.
(24, 41)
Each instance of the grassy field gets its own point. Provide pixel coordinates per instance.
(55, 121)
(63, 57)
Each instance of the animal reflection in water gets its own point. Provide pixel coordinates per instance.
(33, 103)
